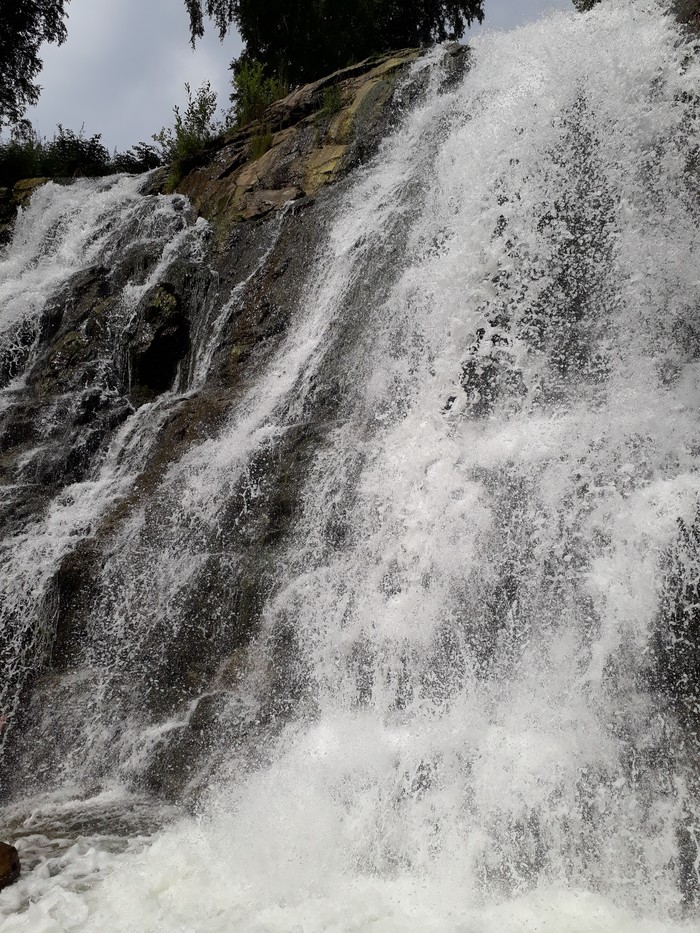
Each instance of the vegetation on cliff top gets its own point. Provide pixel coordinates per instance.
(28, 155)
(300, 41)
(182, 144)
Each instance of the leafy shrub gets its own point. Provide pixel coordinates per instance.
(332, 100)
(140, 158)
(183, 144)
(253, 92)
(67, 155)
(260, 144)
(70, 154)
(21, 156)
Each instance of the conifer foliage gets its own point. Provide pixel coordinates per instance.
(24, 25)
(300, 40)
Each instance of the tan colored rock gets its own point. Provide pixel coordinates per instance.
(9, 865)
(322, 167)
(264, 202)
(305, 147)
(25, 188)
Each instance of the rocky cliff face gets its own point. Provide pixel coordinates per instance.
(133, 361)
(358, 504)
(688, 12)
(304, 142)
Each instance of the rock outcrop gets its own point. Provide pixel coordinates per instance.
(304, 142)
(10, 867)
(184, 351)
(13, 198)
(688, 12)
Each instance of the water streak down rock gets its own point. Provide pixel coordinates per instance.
(151, 327)
(351, 504)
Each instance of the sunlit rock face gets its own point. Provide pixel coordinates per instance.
(350, 555)
(306, 141)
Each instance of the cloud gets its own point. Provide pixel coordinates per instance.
(123, 68)
(506, 14)
(125, 64)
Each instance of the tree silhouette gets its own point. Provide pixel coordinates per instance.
(301, 40)
(24, 25)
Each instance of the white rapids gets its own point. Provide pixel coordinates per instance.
(476, 573)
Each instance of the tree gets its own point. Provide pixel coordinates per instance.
(184, 143)
(24, 25)
(300, 40)
(253, 91)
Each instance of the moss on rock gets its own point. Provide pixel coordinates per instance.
(307, 143)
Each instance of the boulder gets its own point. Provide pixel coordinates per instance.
(9, 865)
(25, 188)
(302, 144)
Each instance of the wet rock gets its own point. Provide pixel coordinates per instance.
(70, 595)
(688, 12)
(154, 182)
(184, 648)
(308, 144)
(490, 376)
(677, 640)
(7, 215)
(160, 342)
(9, 865)
(232, 669)
(455, 66)
(75, 336)
(25, 188)
(179, 755)
(11, 199)
(15, 349)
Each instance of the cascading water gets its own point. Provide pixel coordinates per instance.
(468, 703)
(66, 231)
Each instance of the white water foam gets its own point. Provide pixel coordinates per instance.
(63, 231)
(475, 749)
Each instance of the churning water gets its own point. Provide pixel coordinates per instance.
(471, 734)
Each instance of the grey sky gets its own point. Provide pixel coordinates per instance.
(125, 64)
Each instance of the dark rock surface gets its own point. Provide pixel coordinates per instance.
(308, 146)
(9, 865)
(688, 12)
(101, 370)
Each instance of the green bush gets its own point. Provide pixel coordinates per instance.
(253, 92)
(332, 100)
(70, 154)
(183, 144)
(21, 156)
(67, 155)
(260, 144)
(140, 158)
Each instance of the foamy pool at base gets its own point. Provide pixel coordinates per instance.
(464, 701)
(187, 880)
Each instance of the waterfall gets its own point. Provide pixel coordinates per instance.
(406, 633)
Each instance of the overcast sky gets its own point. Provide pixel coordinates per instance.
(125, 64)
